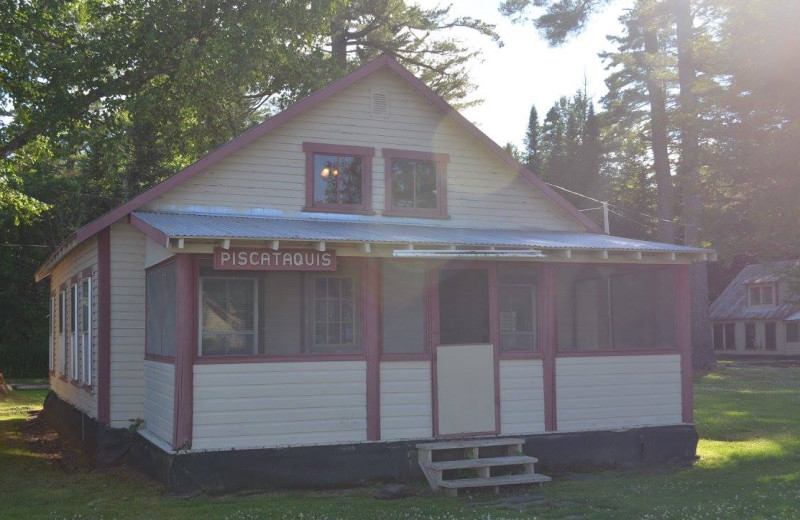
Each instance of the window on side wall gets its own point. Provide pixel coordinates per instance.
(339, 178)
(415, 183)
(615, 308)
(51, 343)
(86, 331)
(62, 343)
(750, 337)
(279, 313)
(730, 336)
(74, 309)
(160, 306)
(517, 299)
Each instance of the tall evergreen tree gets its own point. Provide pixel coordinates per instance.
(532, 153)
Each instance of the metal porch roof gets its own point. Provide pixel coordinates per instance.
(205, 226)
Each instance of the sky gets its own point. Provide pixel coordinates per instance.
(526, 71)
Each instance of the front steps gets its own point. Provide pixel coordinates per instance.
(477, 458)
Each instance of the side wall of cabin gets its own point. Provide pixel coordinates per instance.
(78, 265)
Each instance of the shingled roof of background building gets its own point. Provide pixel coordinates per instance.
(732, 303)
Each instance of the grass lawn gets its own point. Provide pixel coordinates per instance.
(748, 418)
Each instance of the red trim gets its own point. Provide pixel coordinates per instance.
(104, 326)
(620, 352)
(74, 279)
(366, 155)
(270, 358)
(494, 335)
(156, 235)
(370, 315)
(86, 273)
(440, 159)
(185, 348)
(520, 354)
(159, 358)
(684, 339)
(423, 356)
(547, 337)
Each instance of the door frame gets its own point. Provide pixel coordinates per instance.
(433, 337)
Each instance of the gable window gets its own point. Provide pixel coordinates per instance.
(792, 332)
(338, 178)
(415, 183)
(761, 294)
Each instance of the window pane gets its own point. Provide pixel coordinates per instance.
(517, 317)
(750, 340)
(755, 296)
(85, 295)
(426, 184)
(793, 332)
(766, 295)
(333, 312)
(402, 183)
(403, 308)
(770, 336)
(615, 307)
(228, 316)
(730, 336)
(463, 307)
(719, 339)
(338, 179)
(281, 319)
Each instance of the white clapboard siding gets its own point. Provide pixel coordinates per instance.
(270, 172)
(127, 325)
(617, 391)
(264, 405)
(82, 257)
(159, 398)
(521, 396)
(405, 400)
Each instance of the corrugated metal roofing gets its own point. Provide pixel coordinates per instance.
(732, 303)
(185, 225)
(794, 317)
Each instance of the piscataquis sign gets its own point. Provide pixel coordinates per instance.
(256, 259)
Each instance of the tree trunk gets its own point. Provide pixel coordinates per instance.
(703, 357)
(658, 125)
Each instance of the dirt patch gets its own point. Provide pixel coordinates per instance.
(43, 440)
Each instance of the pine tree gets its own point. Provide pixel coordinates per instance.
(532, 152)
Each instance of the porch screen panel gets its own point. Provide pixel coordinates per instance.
(403, 310)
(160, 310)
(770, 335)
(517, 300)
(730, 336)
(463, 307)
(281, 321)
(615, 308)
(228, 316)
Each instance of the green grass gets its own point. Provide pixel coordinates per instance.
(748, 419)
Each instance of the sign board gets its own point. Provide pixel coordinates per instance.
(262, 259)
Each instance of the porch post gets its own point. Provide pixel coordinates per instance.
(371, 316)
(185, 347)
(546, 301)
(683, 326)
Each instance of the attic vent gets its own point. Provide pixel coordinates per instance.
(380, 104)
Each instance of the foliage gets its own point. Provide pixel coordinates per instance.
(749, 448)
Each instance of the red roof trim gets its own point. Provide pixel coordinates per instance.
(298, 108)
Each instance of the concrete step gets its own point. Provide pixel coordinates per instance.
(470, 443)
(451, 487)
(488, 462)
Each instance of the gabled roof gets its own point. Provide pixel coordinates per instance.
(383, 62)
(732, 303)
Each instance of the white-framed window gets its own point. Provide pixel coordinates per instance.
(228, 317)
(51, 343)
(74, 342)
(793, 332)
(62, 342)
(761, 294)
(86, 330)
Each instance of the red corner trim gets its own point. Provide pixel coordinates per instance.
(104, 326)
(546, 295)
(185, 347)
(371, 322)
(684, 339)
(301, 106)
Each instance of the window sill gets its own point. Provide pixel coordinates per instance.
(520, 355)
(267, 358)
(159, 358)
(406, 357)
(415, 214)
(630, 352)
(342, 210)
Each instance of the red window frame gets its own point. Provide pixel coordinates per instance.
(364, 152)
(440, 160)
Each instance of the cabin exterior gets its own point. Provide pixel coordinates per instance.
(363, 271)
(757, 315)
